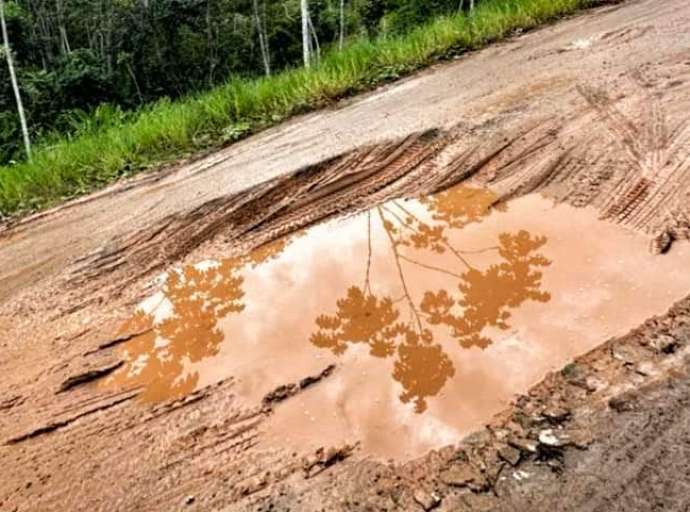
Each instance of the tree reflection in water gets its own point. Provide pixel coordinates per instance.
(482, 298)
(413, 330)
(198, 297)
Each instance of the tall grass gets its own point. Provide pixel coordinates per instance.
(118, 144)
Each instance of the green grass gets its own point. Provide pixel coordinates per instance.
(118, 145)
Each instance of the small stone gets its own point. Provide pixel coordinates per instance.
(524, 445)
(593, 384)
(510, 455)
(623, 402)
(661, 243)
(578, 438)
(553, 439)
(428, 501)
(575, 374)
(461, 476)
(556, 414)
(628, 354)
(665, 344)
(189, 500)
(645, 368)
(521, 475)
(527, 421)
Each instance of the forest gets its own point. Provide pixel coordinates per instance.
(92, 91)
(74, 55)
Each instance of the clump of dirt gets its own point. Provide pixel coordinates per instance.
(282, 393)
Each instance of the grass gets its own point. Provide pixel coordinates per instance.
(118, 145)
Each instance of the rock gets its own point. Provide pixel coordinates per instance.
(463, 475)
(521, 475)
(553, 439)
(626, 354)
(253, 485)
(428, 501)
(478, 438)
(282, 393)
(575, 374)
(523, 444)
(646, 368)
(510, 455)
(593, 384)
(527, 421)
(476, 503)
(578, 438)
(189, 500)
(501, 434)
(623, 402)
(322, 459)
(661, 242)
(556, 414)
(664, 343)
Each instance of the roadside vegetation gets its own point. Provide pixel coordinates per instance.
(110, 142)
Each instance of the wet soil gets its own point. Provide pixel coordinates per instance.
(584, 122)
(435, 313)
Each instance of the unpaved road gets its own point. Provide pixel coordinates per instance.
(592, 111)
(564, 87)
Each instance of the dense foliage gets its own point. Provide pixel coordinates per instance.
(73, 55)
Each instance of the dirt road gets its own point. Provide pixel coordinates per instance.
(593, 111)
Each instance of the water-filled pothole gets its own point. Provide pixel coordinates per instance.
(437, 311)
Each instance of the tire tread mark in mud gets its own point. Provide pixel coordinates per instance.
(658, 161)
(285, 204)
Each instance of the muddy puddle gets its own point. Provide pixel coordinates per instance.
(436, 312)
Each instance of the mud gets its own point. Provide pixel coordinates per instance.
(590, 113)
(436, 312)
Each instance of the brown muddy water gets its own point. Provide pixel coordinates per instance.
(436, 311)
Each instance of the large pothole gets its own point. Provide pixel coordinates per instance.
(436, 311)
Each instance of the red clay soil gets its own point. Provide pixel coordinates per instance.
(592, 111)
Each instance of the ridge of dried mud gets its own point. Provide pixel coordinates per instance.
(605, 127)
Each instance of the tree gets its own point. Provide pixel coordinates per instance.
(263, 38)
(306, 38)
(13, 78)
(341, 36)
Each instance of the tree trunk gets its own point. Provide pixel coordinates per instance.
(13, 78)
(63, 45)
(317, 46)
(306, 39)
(263, 38)
(136, 82)
(341, 38)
